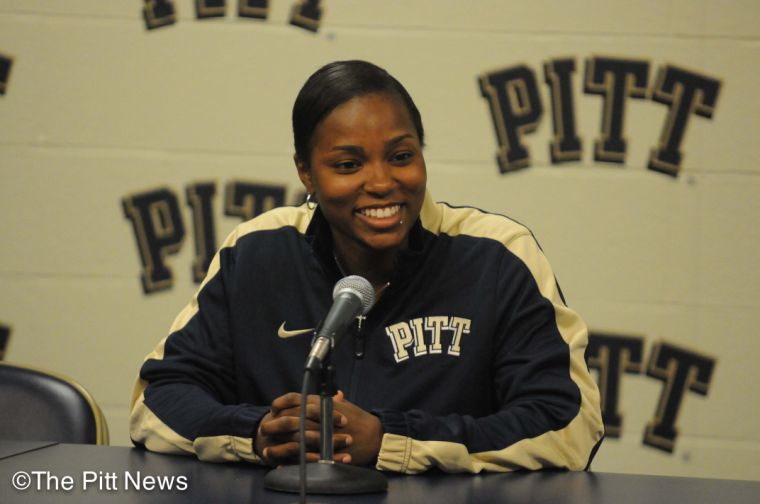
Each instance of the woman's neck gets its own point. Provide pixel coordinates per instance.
(377, 266)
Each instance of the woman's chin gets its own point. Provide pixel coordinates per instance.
(385, 242)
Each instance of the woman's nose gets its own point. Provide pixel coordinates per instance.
(379, 178)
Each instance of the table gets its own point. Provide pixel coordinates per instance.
(11, 448)
(131, 475)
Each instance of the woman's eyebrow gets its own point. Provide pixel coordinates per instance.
(398, 139)
(352, 149)
(358, 150)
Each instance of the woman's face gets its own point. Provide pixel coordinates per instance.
(367, 173)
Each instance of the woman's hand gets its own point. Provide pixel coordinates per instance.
(277, 438)
(363, 428)
(357, 434)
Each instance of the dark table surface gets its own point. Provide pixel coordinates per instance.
(11, 448)
(86, 473)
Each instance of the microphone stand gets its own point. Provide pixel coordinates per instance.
(326, 476)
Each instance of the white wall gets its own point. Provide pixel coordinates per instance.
(97, 108)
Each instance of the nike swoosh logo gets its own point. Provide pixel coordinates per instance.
(284, 333)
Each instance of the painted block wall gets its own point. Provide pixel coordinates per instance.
(97, 108)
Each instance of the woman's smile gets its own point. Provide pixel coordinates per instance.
(382, 216)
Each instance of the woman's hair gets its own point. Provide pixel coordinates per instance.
(335, 84)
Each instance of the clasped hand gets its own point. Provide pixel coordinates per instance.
(357, 434)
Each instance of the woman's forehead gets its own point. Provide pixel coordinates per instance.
(375, 114)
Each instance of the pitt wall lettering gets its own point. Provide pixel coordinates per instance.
(305, 14)
(159, 228)
(5, 72)
(680, 370)
(516, 109)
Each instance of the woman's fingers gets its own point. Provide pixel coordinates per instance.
(285, 425)
(288, 452)
(312, 413)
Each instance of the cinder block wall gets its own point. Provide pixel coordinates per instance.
(97, 108)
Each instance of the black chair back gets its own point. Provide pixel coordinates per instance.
(37, 405)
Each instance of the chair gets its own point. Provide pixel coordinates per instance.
(37, 405)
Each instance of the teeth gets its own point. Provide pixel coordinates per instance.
(381, 213)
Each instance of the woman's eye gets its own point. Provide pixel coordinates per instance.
(401, 157)
(347, 165)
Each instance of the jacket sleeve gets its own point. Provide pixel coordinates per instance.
(549, 414)
(184, 401)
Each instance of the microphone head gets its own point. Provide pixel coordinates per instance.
(359, 286)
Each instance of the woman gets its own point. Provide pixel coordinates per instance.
(468, 361)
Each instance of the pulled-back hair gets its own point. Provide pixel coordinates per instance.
(333, 85)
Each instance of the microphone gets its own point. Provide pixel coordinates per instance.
(352, 296)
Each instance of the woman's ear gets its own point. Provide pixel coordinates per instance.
(304, 174)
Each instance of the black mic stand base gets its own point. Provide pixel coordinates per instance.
(327, 478)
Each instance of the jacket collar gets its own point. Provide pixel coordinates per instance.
(320, 237)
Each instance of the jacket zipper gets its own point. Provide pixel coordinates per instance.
(358, 357)
(359, 338)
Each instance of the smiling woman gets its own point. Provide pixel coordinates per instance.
(367, 172)
(359, 153)
(469, 361)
